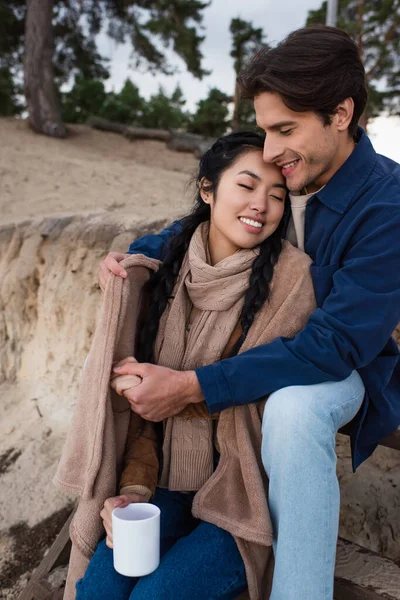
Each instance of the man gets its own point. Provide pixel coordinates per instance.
(309, 93)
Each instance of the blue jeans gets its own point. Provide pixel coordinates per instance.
(298, 453)
(198, 561)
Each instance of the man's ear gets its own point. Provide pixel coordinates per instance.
(344, 114)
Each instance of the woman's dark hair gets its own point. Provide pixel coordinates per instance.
(313, 69)
(158, 289)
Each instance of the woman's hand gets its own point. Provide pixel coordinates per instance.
(109, 505)
(162, 392)
(111, 265)
(123, 383)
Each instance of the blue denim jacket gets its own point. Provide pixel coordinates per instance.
(352, 232)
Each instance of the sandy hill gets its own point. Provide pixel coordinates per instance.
(63, 205)
(91, 171)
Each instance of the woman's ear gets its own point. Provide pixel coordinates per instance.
(206, 195)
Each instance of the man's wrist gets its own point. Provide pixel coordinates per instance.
(194, 391)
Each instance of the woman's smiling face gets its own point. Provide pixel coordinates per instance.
(246, 207)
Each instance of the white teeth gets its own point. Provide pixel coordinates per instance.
(250, 222)
(290, 164)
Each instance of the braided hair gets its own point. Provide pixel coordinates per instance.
(158, 289)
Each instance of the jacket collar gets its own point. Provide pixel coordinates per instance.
(345, 185)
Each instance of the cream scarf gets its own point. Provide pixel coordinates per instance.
(217, 295)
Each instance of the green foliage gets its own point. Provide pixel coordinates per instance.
(247, 115)
(126, 107)
(211, 117)
(175, 24)
(165, 112)
(12, 15)
(84, 100)
(149, 25)
(246, 40)
(375, 26)
(11, 52)
(9, 103)
(88, 98)
(75, 51)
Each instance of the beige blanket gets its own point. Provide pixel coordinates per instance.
(234, 497)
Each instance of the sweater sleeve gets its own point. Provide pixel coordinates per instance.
(140, 470)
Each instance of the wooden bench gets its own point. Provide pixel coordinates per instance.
(58, 555)
(359, 575)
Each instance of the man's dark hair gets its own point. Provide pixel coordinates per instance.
(313, 69)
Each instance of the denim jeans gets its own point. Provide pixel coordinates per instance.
(198, 561)
(298, 453)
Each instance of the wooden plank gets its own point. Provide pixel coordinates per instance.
(346, 590)
(364, 575)
(392, 440)
(39, 591)
(58, 552)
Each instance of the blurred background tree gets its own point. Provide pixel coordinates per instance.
(66, 46)
(375, 27)
(88, 98)
(85, 99)
(126, 107)
(9, 94)
(246, 40)
(66, 53)
(11, 52)
(165, 112)
(211, 117)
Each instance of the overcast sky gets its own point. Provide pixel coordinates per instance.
(276, 17)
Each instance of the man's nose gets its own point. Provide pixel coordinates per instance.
(272, 150)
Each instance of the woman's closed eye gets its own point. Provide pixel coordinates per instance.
(277, 198)
(247, 187)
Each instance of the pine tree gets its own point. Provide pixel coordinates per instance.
(11, 32)
(85, 99)
(165, 112)
(9, 92)
(66, 46)
(211, 117)
(125, 107)
(375, 26)
(246, 40)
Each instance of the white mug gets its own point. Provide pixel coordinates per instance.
(136, 539)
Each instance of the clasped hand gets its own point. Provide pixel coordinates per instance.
(155, 392)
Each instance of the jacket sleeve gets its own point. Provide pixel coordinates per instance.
(349, 329)
(155, 245)
(140, 470)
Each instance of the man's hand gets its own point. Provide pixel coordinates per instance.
(109, 505)
(162, 393)
(111, 265)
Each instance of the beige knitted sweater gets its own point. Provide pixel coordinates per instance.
(234, 497)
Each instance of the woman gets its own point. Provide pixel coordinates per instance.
(229, 282)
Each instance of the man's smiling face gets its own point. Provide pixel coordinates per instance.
(306, 150)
